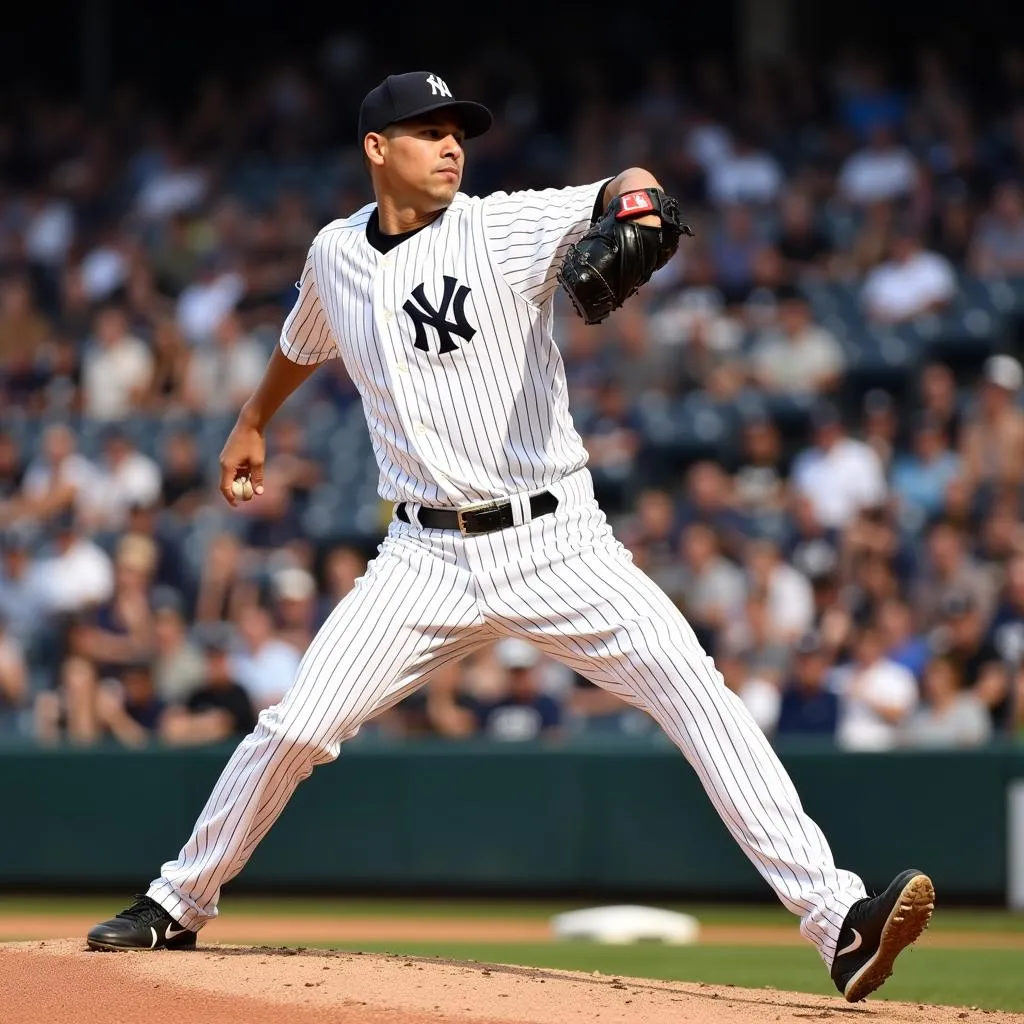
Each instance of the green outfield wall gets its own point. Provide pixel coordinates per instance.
(511, 818)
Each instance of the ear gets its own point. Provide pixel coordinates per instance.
(374, 148)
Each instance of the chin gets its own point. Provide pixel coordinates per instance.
(444, 192)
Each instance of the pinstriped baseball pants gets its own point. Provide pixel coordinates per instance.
(565, 583)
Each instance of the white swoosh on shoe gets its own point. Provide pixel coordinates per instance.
(173, 932)
(853, 946)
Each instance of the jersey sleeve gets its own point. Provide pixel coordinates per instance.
(307, 336)
(529, 232)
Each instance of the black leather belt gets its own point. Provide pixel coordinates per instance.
(481, 517)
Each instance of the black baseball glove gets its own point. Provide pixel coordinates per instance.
(616, 256)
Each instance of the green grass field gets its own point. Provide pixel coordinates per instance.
(968, 976)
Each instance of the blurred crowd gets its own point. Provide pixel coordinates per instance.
(808, 428)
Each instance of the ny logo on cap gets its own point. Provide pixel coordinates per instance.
(438, 87)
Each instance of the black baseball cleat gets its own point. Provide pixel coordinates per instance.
(877, 929)
(144, 925)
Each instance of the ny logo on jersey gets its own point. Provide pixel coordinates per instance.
(424, 315)
(438, 87)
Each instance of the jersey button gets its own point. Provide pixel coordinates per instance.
(388, 315)
(420, 429)
(402, 367)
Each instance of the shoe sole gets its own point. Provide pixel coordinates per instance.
(907, 920)
(107, 947)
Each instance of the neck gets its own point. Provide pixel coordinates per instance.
(396, 217)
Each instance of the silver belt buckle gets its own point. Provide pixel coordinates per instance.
(478, 506)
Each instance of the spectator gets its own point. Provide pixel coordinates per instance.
(184, 487)
(733, 251)
(225, 585)
(948, 569)
(24, 335)
(23, 601)
(120, 632)
(651, 534)
(106, 267)
(754, 639)
(876, 696)
(69, 709)
(12, 471)
(912, 282)
(950, 716)
(808, 708)
(274, 521)
(441, 707)
(805, 250)
(745, 174)
(265, 666)
(787, 592)
(294, 593)
(921, 476)
(880, 424)
(799, 357)
(840, 476)
(213, 294)
(118, 368)
(60, 478)
(760, 695)
(707, 585)
(883, 170)
(759, 483)
(223, 375)
(961, 636)
(1000, 538)
(77, 575)
(220, 709)
(129, 708)
(867, 103)
(1006, 630)
(707, 501)
(951, 229)
(128, 478)
(343, 566)
(993, 437)
(172, 570)
(175, 187)
(291, 461)
(522, 711)
(13, 681)
(998, 245)
(693, 319)
(178, 666)
(938, 399)
(612, 438)
(902, 643)
(170, 367)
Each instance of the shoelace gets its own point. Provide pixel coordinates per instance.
(143, 910)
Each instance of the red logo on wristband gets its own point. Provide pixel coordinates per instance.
(632, 203)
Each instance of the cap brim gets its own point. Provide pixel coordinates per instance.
(474, 118)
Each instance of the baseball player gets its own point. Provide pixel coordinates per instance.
(440, 305)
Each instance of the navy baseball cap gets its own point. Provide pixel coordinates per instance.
(403, 97)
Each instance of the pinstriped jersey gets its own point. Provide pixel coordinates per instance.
(448, 338)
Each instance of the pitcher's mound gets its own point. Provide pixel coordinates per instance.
(59, 981)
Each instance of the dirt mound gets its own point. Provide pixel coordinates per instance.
(56, 982)
(247, 929)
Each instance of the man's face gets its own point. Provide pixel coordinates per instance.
(423, 157)
(809, 670)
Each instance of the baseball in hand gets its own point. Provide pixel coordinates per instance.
(241, 487)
